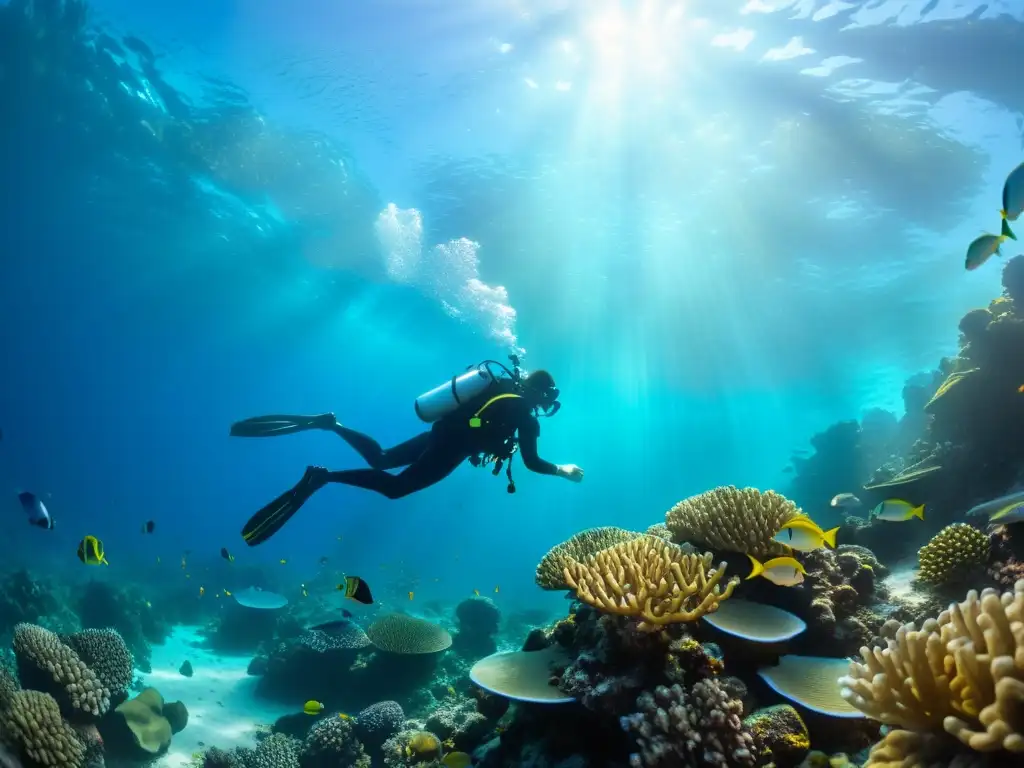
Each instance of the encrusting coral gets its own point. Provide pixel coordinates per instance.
(579, 547)
(731, 519)
(952, 553)
(962, 672)
(651, 580)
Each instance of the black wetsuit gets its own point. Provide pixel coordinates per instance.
(431, 456)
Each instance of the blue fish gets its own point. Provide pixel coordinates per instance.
(37, 512)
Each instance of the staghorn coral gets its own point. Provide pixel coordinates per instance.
(733, 519)
(651, 580)
(45, 663)
(963, 672)
(105, 653)
(333, 742)
(33, 724)
(699, 728)
(952, 553)
(580, 547)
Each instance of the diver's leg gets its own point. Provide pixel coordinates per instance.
(274, 515)
(433, 465)
(272, 426)
(400, 455)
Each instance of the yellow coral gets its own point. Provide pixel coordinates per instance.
(733, 519)
(963, 672)
(952, 552)
(577, 548)
(650, 579)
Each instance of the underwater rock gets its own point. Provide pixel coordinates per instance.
(257, 667)
(103, 605)
(185, 669)
(477, 619)
(238, 629)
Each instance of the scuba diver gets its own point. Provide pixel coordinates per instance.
(484, 416)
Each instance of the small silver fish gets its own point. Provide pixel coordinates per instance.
(845, 500)
(38, 514)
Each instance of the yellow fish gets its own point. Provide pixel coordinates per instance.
(451, 690)
(804, 535)
(342, 715)
(283, 561)
(202, 591)
(90, 551)
(495, 590)
(304, 592)
(783, 571)
(226, 593)
(896, 511)
(476, 592)
(313, 707)
(457, 760)
(412, 595)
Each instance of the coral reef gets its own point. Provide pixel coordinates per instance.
(779, 733)
(378, 723)
(952, 554)
(413, 747)
(649, 579)
(731, 519)
(578, 548)
(102, 605)
(400, 633)
(962, 672)
(105, 652)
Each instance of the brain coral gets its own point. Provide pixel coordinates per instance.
(731, 519)
(577, 548)
(45, 662)
(401, 633)
(33, 723)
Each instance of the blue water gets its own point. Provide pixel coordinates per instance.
(722, 226)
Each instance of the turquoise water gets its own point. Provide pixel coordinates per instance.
(721, 226)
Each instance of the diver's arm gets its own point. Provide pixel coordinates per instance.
(529, 431)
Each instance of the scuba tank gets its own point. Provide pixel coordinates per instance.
(446, 398)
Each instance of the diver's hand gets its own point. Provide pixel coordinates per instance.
(570, 472)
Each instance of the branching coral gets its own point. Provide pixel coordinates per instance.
(699, 728)
(45, 663)
(578, 548)
(952, 553)
(963, 672)
(32, 722)
(733, 519)
(651, 580)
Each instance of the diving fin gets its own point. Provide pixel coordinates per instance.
(272, 426)
(272, 517)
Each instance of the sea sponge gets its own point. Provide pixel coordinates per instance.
(650, 579)
(580, 547)
(145, 724)
(732, 519)
(333, 742)
(44, 662)
(952, 553)
(105, 653)
(963, 672)
(33, 723)
(401, 633)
